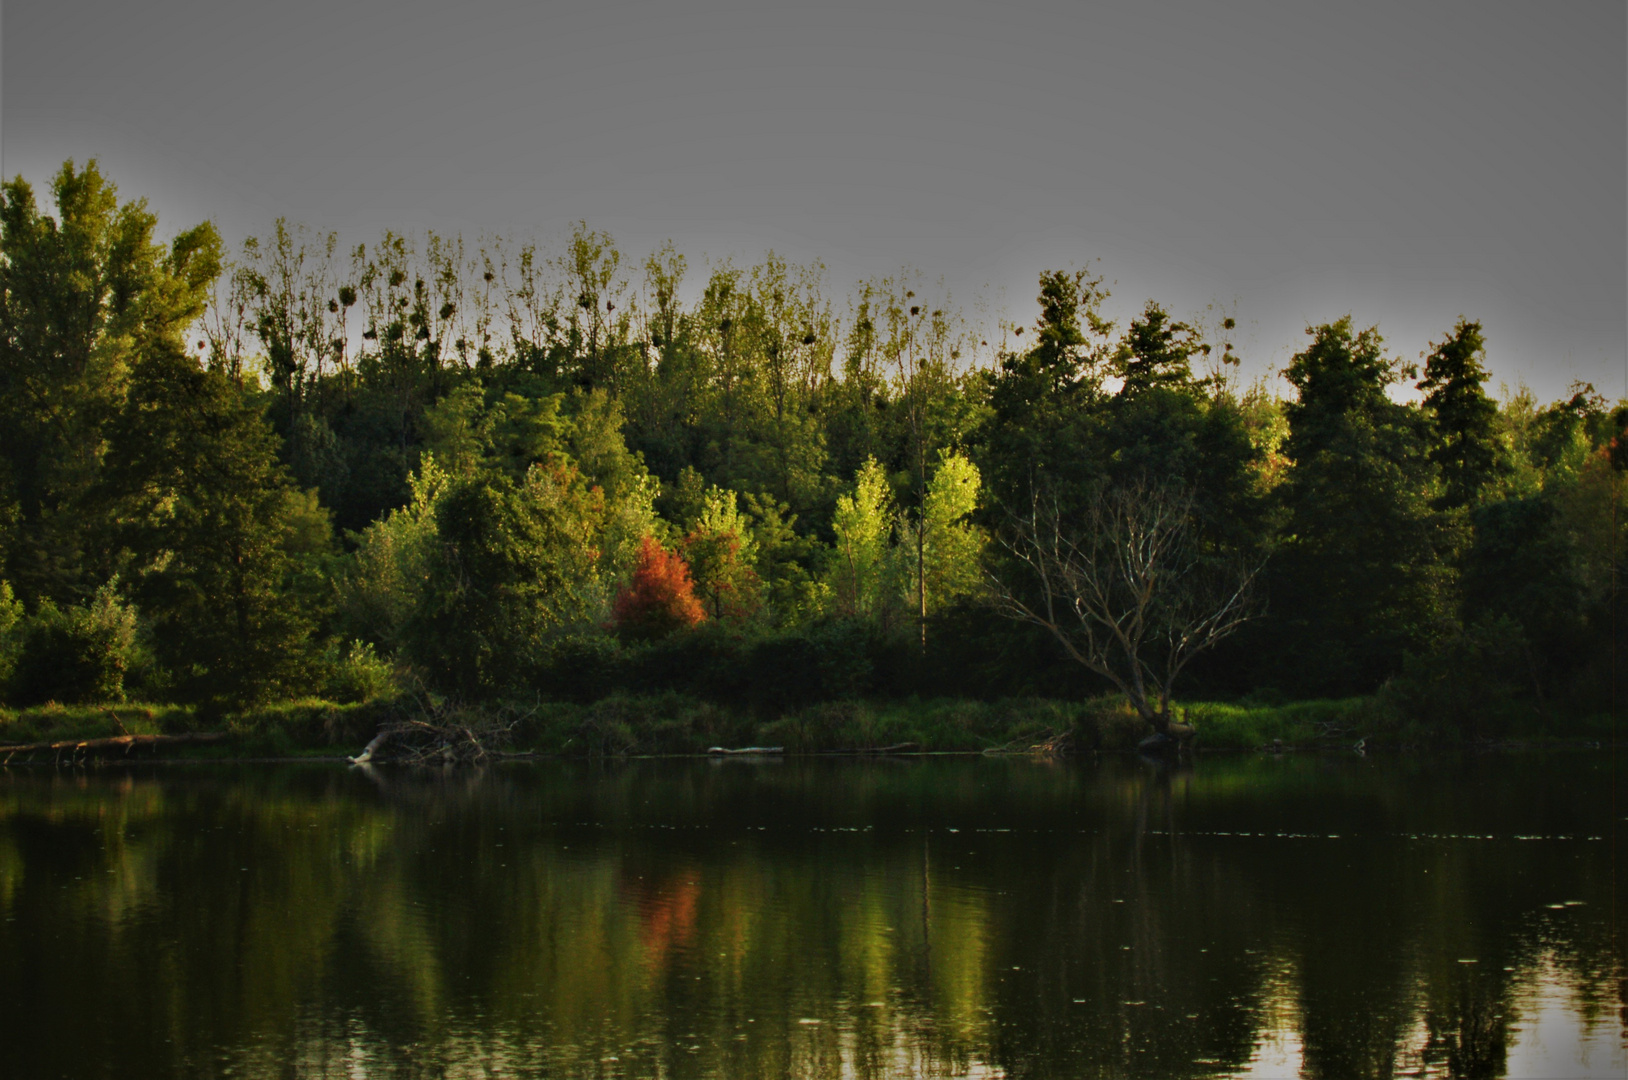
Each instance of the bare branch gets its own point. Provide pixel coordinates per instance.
(1126, 586)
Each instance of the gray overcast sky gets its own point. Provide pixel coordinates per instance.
(1404, 163)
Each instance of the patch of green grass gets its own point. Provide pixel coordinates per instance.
(673, 723)
(286, 729)
(56, 723)
(677, 724)
(1241, 726)
(310, 725)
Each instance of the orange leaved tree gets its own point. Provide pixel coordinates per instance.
(659, 599)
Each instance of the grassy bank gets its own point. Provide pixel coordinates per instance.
(676, 724)
(289, 729)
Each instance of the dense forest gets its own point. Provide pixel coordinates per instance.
(496, 471)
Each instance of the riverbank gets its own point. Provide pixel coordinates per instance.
(676, 724)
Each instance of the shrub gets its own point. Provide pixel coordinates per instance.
(11, 638)
(359, 674)
(78, 654)
(1480, 682)
(581, 665)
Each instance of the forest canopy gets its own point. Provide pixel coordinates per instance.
(303, 467)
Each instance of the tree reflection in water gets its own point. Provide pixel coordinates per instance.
(935, 917)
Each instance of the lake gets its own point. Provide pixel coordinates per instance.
(937, 916)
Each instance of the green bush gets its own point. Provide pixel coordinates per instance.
(78, 654)
(1480, 682)
(11, 639)
(579, 666)
(311, 725)
(359, 674)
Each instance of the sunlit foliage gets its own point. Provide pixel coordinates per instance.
(456, 451)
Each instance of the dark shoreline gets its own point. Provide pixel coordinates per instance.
(1438, 751)
(672, 725)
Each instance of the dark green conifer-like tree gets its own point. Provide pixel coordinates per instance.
(219, 542)
(1044, 401)
(1360, 580)
(1466, 444)
(1157, 352)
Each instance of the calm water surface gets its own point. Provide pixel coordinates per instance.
(1246, 916)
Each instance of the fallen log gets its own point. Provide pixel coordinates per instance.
(101, 747)
(747, 750)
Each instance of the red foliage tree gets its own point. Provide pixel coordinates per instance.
(659, 599)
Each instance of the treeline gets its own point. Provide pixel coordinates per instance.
(499, 471)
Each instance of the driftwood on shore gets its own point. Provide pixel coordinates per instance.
(896, 748)
(375, 745)
(451, 740)
(446, 732)
(122, 744)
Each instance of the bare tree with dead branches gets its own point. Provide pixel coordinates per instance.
(443, 732)
(1127, 587)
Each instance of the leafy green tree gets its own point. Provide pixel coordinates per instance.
(475, 428)
(854, 408)
(788, 563)
(357, 427)
(1166, 426)
(357, 673)
(950, 546)
(1540, 605)
(1044, 431)
(861, 572)
(1522, 565)
(1593, 516)
(381, 582)
(663, 410)
(286, 282)
(11, 627)
(76, 654)
(594, 440)
(83, 295)
(1466, 446)
(222, 549)
(749, 365)
(1560, 439)
(514, 563)
(1360, 580)
(1266, 426)
(1070, 324)
(919, 343)
(722, 555)
(792, 326)
(599, 319)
